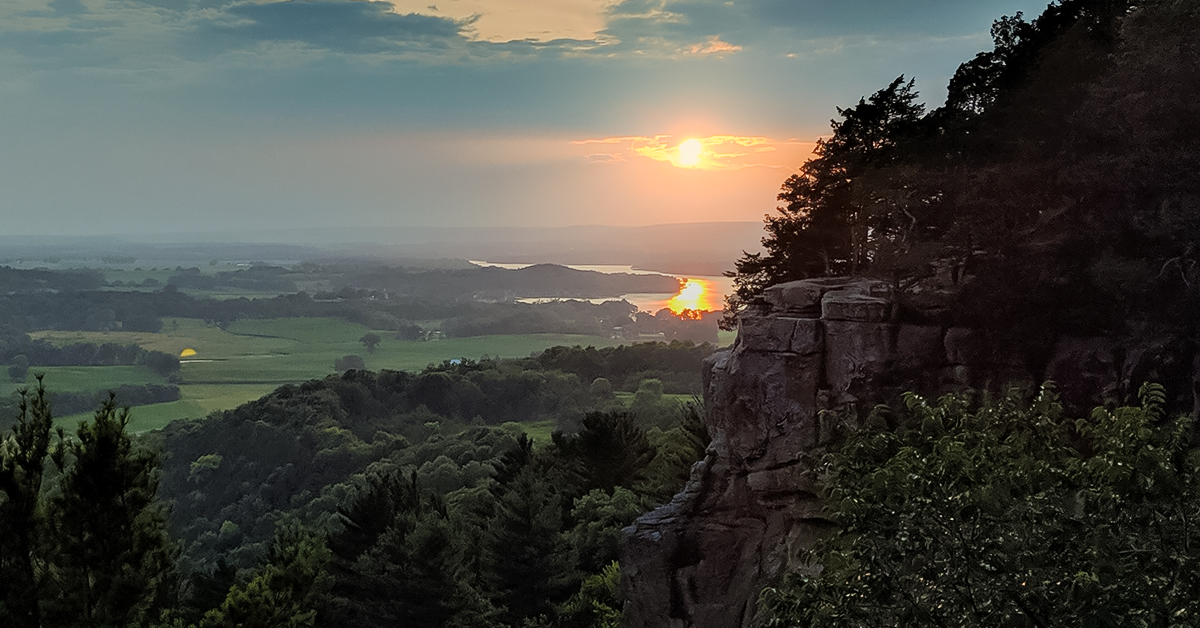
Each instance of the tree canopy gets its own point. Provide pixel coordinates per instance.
(1004, 512)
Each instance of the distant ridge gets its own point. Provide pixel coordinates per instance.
(699, 248)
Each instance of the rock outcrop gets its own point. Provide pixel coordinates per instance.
(751, 507)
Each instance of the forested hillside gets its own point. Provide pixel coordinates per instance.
(375, 498)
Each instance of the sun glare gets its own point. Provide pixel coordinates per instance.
(693, 296)
(689, 152)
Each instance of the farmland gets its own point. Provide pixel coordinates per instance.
(249, 358)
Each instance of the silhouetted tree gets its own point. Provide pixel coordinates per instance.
(22, 460)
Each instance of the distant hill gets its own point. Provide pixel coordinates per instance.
(540, 280)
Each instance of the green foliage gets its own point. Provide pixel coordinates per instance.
(1006, 513)
(285, 592)
(601, 388)
(609, 450)
(526, 558)
(598, 602)
(88, 548)
(599, 517)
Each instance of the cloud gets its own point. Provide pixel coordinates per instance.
(347, 26)
(501, 21)
(719, 152)
(714, 46)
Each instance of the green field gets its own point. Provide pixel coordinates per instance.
(81, 378)
(250, 358)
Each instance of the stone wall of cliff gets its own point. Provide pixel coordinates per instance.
(750, 508)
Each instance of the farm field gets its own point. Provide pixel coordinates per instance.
(250, 358)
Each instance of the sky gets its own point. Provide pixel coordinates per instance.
(179, 116)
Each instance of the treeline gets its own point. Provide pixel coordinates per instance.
(19, 349)
(125, 395)
(258, 277)
(677, 364)
(473, 283)
(144, 311)
(16, 280)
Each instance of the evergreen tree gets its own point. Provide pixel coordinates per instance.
(610, 450)
(830, 222)
(22, 460)
(112, 561)
(527, 563)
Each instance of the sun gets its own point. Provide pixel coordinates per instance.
(689, 152)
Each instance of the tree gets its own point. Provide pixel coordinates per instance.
(284, 593)
(112, 562)
(830, 223)
(527, 562)
(598, 602)
(22, 460)
(19, 369)
(370, 340)
(610, 450)
(347, 363)
(1006, 513)
(601, 388)
(391, 524)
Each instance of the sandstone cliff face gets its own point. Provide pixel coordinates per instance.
(750, 507)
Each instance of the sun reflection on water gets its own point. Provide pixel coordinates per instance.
(696, 294)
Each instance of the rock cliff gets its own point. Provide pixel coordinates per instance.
(750, 507)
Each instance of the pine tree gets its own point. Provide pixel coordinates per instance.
(112, 561)
(527, 561)
(22, 458)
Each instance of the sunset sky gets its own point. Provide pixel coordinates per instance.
(156, 116)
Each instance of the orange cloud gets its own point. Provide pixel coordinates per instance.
(718, 152)
(714, 46)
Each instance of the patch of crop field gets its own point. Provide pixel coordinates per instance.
(177, 334)
(82, 378)
(197, 401)
(138, 275)
(306, 330)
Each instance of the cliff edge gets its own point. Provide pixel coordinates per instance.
(750, 507)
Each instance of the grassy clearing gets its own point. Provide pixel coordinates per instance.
(540, 431)
(81, 378)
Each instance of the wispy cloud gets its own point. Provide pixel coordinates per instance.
(714, 46)
(717, 152)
